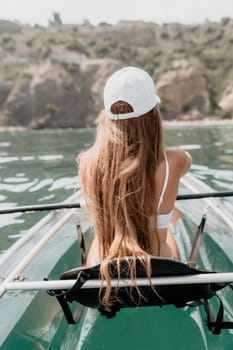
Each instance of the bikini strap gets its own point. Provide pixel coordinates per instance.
(165, 181)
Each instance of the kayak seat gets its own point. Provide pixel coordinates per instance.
(128, 296)
(178, 295)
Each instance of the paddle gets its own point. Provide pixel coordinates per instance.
(32, 208)
(205, 195)
(57, 206)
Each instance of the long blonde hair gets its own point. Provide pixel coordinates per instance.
(118, 179)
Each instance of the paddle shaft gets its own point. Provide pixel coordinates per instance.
(57, 206)
(33, 208)
(205, 195)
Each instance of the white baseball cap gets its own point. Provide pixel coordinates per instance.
(134, 86)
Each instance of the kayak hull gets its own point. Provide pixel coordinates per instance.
(37, 322)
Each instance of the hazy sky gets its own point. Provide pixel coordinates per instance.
(75, 11)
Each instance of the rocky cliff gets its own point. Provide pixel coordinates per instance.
(54, 77)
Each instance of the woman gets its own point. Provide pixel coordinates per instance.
(129, 180)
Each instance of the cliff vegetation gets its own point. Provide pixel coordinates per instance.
(54, 76)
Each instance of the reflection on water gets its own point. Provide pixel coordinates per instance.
(40, 166)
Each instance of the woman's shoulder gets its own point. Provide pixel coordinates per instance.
(179, 160)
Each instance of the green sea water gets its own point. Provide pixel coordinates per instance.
(38, 167)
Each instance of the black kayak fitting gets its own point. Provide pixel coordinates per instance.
(126, 297)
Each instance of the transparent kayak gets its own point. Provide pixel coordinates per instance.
(31, 319)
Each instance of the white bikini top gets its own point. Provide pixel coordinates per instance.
(164, 219)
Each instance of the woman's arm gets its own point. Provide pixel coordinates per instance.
(181, 161)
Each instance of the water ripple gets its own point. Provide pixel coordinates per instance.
(5, 144)
(41, 184)
(9, 159)
(190, 147)
(46, 198)
(51, 157)
(15, 188)
(12, 218)
(65, 182)
(4, 158)
(16, 179)
(27, 158)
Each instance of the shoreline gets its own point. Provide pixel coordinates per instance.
(13, 128)
(202, 122)
(173, 123)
